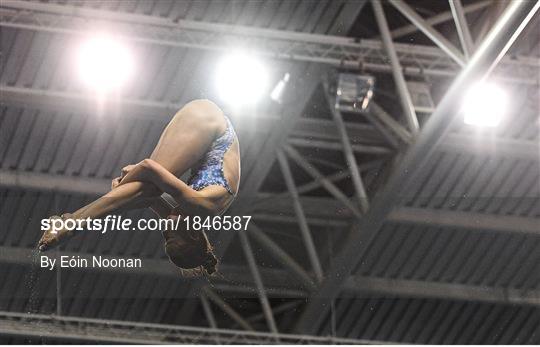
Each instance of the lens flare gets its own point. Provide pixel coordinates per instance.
(485, 105)
(241, 79)
(105, 64)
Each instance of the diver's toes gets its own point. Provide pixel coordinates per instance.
(44, 244)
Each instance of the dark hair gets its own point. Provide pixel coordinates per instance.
(195, 258)
(208, 269)
(210, 265)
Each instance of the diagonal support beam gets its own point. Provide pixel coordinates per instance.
(302, 221)
(280, 255)
(488, 18)
(427, 29)
(440, 18)
(325, 182)
(303, 86)
(277, 310)
(392, 124)
(349, 153)
(462, 28)
(397, 71)
(267, 309)
(503, 35)
(208, 292)
(208, 312)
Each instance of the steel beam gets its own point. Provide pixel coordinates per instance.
(280, 255)
(348, 152)
(496, 44)
(120, 332)
(322, 132)
(354, 286)
(310, 143)
(82, 104)
(427, 29)
(277, 310)
(208, 312)
(391, 123)
(341, 174)
(317, 210)
(291, 219)
(465, 220)
(486, 146)
(382, 287)
(462, 28)
(440, 18)
(349, 14)
(54, 183)
(326, 183)
(387, 134)
(154, 267)
(304, 83)
(209, 293)
(302, 221)
(267, 309)
(325, 49)
(397, 71)
(327, 209)
(477, 144)
(485, 23)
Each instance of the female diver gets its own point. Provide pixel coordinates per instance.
(199, 137)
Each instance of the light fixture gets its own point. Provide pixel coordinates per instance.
(277, 92)
(484, 105)
(354, 92)
(105, 64)
(241, 79)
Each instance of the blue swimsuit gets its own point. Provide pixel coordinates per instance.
(210, 170)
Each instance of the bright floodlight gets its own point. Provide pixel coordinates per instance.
(104, 63)
(241, 79)
(484, 105)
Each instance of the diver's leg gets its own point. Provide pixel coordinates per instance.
(188, 136)
(128, 196)
(183, 143)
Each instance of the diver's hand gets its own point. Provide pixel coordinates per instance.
(115, 182)
(126, 169)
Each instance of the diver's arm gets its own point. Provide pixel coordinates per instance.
(159, 206)
(191, 202)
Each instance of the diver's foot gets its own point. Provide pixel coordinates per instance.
(52, 237)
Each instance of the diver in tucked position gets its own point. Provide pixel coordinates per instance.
(199, 137)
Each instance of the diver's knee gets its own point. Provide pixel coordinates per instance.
(204, 113)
